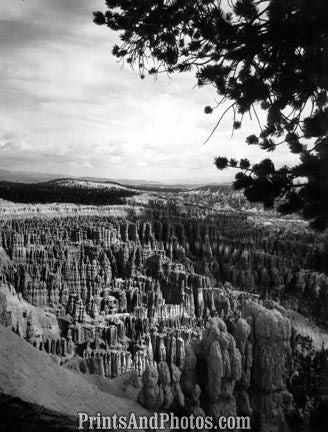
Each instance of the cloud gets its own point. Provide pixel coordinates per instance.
(69, 107)
(21, 33)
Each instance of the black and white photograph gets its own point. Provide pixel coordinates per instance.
(164, 215)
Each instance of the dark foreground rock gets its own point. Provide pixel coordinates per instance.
(18, 416)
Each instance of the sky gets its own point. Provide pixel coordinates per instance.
(69, 108)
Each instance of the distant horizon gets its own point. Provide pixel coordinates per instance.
(42, 177)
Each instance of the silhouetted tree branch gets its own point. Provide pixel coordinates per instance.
(272, 54)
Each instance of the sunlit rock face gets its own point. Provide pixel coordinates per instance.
(190, 305)
(271, 333)
(5, 315)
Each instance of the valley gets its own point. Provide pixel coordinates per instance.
(194, 300)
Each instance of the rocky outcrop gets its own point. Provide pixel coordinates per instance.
(5, 315)
(151, 395)
(161, 387)
(242, 335)
(223, 368)
(271, 333)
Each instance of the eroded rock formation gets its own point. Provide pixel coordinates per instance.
(186, 302)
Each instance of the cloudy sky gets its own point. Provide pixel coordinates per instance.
(68, 107)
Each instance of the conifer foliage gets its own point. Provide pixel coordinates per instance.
(269, 55)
